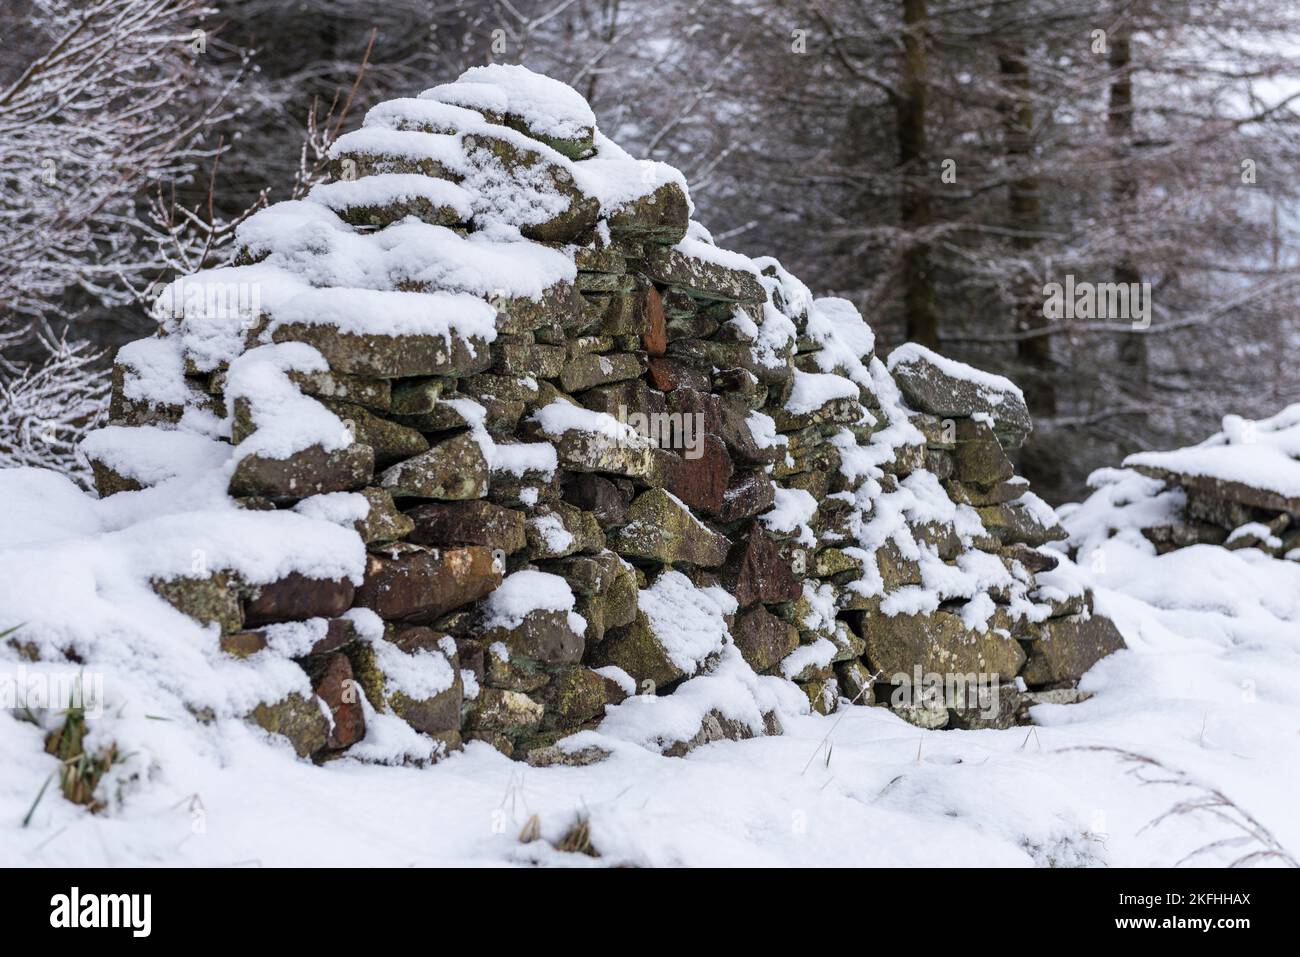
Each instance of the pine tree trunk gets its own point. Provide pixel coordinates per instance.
(914, 204)
(1024, 212)
(1124, 190)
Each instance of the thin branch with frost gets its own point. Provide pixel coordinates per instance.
(1203, 799)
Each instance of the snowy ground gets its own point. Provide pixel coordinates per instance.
(1210, 686)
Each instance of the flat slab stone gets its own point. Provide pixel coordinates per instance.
(1068, 647)
(420, 585)
(390, 357)
(949, 389)
(702, 279)
(939, 643)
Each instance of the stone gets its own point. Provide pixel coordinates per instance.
(823, 694)
(841, 411)
(835, 563)
(296, 597)
(452, 470)
(977, 497)
(599, 259)
(756, 570)
(605, 282)
(1216, 496)
(1019, 523)
(655, 337)
(714, 726)
(638, 650)
(667, 373)
(929, 715)
(389, 356)
(659, 217)
(557, 303)
(763, 639)
(616, 315)
(700, 476)
(1068, 647)
(336, 687)
(339, 633)
(978, 455)
(473, 522)
(558, 529)
(593, 369)
(856, 682)
(437, 715)
(1034, 560)
(603, 497)
(588, 345)
(661, 529)
(576, 147)
(939, 643)
(384, 522)
(297, 718)
(133, 411)
(109, 481)
(553, 756)
(998, 708)
(242, 644)
(510, 713)
(419, 402)
(635, 457)
(577, 695)
(420, 585)
(520, 356)
(524, 172)
(699, 277)
(368, 391)
(929, 388)
(749, 493)
(513, 673)
(628, 401)
(211, 600)
(312, 471)
(543, 638)
(395, 210)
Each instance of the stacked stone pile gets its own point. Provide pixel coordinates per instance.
(593, 457)
(1239, 489)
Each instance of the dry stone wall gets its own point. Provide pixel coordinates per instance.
(592, 456)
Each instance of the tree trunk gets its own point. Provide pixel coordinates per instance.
(1024, 211)
(1124, 189)
(914, 203)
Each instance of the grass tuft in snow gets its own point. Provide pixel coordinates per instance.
(79, 772)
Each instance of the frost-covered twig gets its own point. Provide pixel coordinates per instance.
(47, 409)
(1204, 799)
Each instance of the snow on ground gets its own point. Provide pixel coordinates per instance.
(1210, 686)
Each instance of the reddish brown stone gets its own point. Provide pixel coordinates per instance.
(655, 337)
(666, 374)
(748, 494)
(342, 695)
(701, 482)
(476, 522)
(422, 585)
(296, 597)
(756, 571)
(703, 404)
(763, 639)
